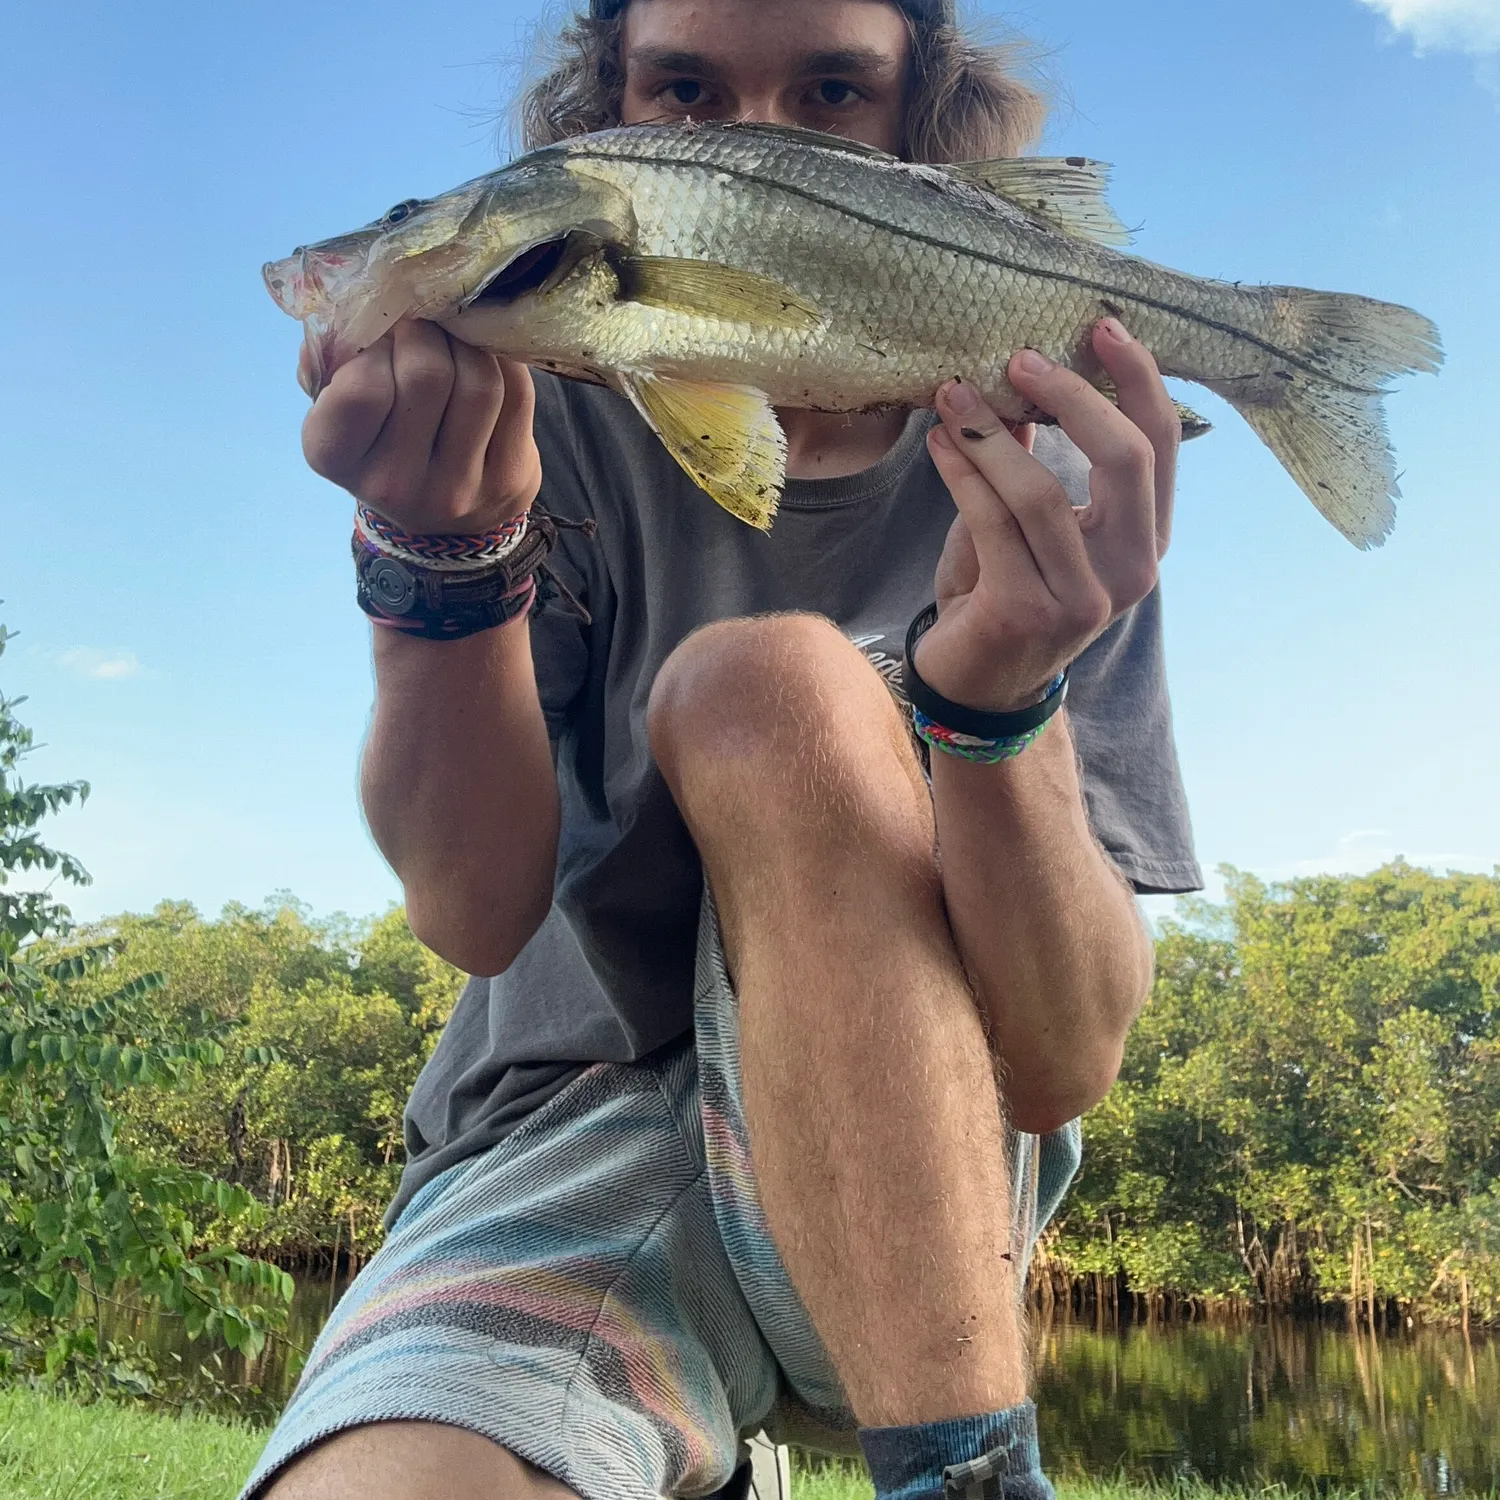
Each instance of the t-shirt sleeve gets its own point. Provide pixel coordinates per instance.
(1121, 718)
(559, 638)
(1122, 724)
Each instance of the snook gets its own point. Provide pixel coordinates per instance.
(712, 273)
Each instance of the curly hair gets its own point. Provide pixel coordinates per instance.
(965, 98)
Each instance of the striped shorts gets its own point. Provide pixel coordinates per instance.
(599, 1292)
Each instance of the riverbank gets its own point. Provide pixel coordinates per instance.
(55, 1450)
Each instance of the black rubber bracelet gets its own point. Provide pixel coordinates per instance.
(978, 722)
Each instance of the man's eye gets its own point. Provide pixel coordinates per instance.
(834, 92)
(685, 91)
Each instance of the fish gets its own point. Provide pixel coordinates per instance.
(711, 273)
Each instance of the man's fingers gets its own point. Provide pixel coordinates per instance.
(422, 363)
(512, 465)
(1025, 487)
(1144, 399)
(350, 413)
(468, 421)
(1006, 561)
(1120, 523)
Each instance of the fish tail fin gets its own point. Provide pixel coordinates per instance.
(1323, 416)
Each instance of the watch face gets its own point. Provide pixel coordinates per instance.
(392, 588)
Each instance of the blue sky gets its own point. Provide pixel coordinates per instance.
(182, 583)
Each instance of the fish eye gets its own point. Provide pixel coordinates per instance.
(403, 210)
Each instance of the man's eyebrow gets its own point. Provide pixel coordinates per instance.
(671, 60)
(869, 61)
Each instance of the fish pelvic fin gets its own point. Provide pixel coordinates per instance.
(1329, 431)
(726, 437)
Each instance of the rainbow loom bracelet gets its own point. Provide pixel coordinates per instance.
(973, 748)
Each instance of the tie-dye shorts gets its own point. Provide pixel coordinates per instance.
(599, 1292)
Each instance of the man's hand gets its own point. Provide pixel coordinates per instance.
(429, 431)
(436, 436)
(1025, 582)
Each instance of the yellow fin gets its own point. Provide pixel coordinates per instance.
(726, 437)
(1066, 192)
(710, 290)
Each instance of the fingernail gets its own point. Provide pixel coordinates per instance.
(939, 438)
(1117, 331)
(1032, 362)
(961, 396)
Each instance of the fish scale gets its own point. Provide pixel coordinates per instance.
(714, 273)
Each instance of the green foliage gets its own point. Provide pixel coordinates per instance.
(81, 1217)
(1319, 1066)
(332, 1022)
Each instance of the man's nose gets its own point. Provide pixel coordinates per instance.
(769, 111)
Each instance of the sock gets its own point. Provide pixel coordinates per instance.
(966, 1458)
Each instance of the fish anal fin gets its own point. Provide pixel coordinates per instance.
(707, 289)
(726, 438)
(1065, 192)
(1193, 425)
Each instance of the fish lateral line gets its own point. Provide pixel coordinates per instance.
(988, 257)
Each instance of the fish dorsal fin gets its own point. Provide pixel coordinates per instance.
(711, 290)
(1066, 192)
(801, 135)
(726, 437)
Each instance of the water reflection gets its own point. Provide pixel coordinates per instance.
(1296, 1402)
(1241, 1401)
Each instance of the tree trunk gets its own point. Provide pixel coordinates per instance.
(1353, 1283)
(333, 1280)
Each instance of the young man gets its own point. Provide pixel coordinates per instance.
(690, 1167)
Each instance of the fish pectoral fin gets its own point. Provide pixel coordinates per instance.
(710, 290)
(1064, 192)
(726, 437)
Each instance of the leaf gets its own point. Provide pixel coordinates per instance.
(47, 1222)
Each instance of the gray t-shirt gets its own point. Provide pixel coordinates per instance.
(608, 976)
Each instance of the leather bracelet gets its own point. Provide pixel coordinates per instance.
(441, 604)
(978, 722)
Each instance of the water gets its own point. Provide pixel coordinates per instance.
(1292, 1401)
(1240, 1401)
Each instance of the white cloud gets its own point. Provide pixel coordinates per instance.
(1461, 25)
(104, 666)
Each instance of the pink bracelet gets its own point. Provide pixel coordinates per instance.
(441, 547)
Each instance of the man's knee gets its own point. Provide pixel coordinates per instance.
(756, 694)
(412, 1461)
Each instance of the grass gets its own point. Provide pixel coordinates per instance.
(56, 1450)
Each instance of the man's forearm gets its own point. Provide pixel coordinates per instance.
(1045, 925)
(460, 792)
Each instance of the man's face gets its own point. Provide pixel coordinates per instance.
(835, 65)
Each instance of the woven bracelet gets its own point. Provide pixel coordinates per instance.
(447, 551)
(972, 734)
(446, 598)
